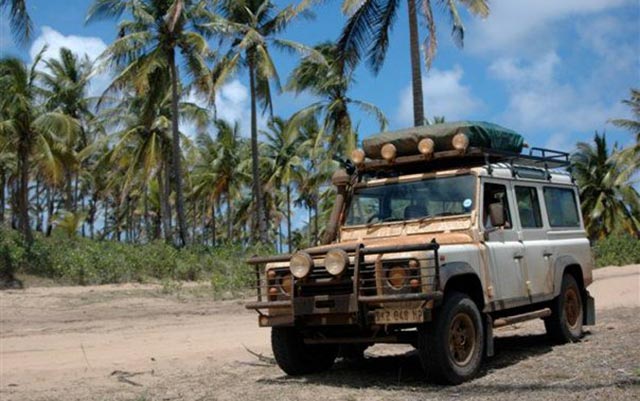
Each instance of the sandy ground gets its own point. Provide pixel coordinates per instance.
(133, 342)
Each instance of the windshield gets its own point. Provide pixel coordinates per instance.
(442, 196)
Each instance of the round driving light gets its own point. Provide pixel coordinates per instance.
(300, 264)
(460, 141)
(285, 284)
(336, 261)
(271, 274)
(414, 283)
(357, 157)
(388, 152)
(396, 277)
(425, 146)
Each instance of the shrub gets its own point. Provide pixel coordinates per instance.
(618, 250)
(84, 261)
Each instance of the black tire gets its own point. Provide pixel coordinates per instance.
(448, 357)
(295, 357)
(565, 323)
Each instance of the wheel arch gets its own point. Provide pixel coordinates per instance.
(461, 277)
(567, 264)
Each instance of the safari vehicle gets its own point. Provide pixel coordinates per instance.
(438, 235)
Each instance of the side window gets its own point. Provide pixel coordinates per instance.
(561, 207)
(528, 207)
(495, 193)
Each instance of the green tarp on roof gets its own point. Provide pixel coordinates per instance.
(481, 134)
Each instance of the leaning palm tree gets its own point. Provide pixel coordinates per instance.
(609, 200)
(366, 35)
(19, 19)
(150, 41)
(26, 125)
(330, 83)
(253, 26)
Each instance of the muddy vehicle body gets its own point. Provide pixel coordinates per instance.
(433, 248)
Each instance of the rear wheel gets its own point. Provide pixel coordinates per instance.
(295, 357)
(565, 323)
(451, 347)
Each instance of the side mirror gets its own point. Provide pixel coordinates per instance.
(496, 214)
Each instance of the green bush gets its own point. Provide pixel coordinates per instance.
(84, 261)
(617, 250)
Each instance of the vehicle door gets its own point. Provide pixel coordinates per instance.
(505, 252)
(533, 235)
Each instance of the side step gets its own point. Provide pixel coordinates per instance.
(505, 321)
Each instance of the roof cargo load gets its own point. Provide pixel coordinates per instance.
(480, 134)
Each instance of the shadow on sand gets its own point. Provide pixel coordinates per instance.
(404, 372)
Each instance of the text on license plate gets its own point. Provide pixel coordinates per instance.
(384, 316)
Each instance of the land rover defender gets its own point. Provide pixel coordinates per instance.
(438, 235)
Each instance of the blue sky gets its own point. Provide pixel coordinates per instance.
(553, 70)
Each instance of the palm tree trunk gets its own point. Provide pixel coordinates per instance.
(229, 220)
(416, 73)
(260, 218)
(176, 154)
(3, 179)
(214, 240)
(50, 205)
(23, 192)
(164, 193)
(289, 217)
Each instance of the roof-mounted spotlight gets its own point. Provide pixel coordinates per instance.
(388, 152)
(426, 146)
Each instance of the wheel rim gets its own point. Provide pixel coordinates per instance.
(462, 339)
(572, 307)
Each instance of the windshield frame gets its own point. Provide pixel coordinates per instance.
(406, 179)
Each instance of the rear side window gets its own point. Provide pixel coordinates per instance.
(561, 207)
(528, 207)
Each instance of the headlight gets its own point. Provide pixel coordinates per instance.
(396, 277)
(336, 261)
(300, 264)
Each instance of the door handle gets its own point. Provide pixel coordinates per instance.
(518, 256)
(547, 254)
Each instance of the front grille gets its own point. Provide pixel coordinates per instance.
(321, 282)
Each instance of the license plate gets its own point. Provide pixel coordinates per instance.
(386, 316)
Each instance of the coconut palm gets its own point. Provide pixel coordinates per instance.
(330, 82)
(253, 26)
(609, 200)
(217, 174)
(150, 41)
(633, 125)
(26, 126)
(65, 82)
(19, 19)
(366, 35)
(284, 149)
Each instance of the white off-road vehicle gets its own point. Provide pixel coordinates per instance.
(438, 235)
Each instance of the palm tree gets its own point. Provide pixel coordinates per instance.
(216, 174)
(65, 82)
(284, 149)
(149, 42)
(19, 19)
(26, 125)
(252, 26)
(330, 82)
(609, 199)
(629, 124)
(366, 34)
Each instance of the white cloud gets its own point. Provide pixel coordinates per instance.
(539, 101)
(444, 95)
(91, 47)
(526, 26)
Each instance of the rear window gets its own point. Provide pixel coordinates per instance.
(528, 207)
(561, 207)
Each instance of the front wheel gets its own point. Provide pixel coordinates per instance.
(297, 358)
(565, 323)
(451, 346)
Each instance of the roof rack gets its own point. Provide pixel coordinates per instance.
(471, 157)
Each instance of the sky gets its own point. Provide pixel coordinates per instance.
(555, 71)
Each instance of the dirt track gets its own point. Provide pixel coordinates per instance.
(134, 343)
